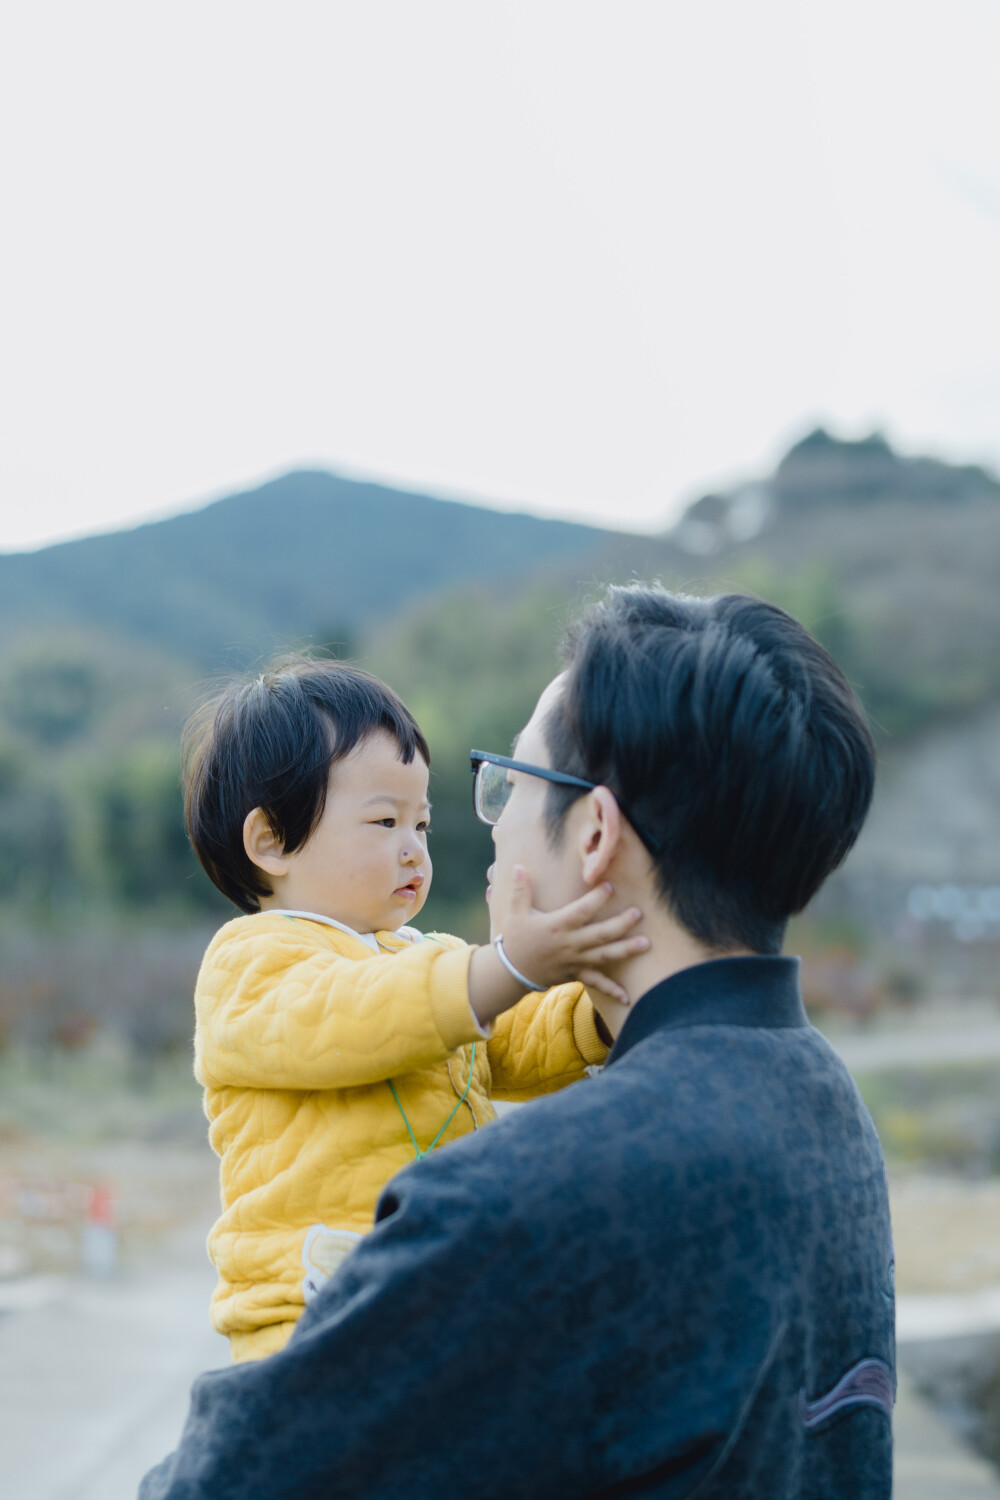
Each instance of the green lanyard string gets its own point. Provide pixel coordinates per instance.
(444, 1127)
(402, 1111)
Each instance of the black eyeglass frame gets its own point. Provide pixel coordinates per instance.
(561, 778)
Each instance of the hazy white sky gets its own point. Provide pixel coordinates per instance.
(586, 259)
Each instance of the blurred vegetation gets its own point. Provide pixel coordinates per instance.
(945, 1117)
(89, 780)
(899, 585)
(470, 668)
(98, 1095)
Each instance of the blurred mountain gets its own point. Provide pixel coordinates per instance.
(310, 555)
(892, 561)
(821, 474)
(823, 469)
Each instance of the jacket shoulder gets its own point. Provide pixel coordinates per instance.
(446, 940)
(266, 927)
(266, 943)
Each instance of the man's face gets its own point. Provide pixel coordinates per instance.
(521, 836)
(366, 863)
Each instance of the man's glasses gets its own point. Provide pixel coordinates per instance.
(491, 788)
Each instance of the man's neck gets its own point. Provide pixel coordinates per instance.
(672, 948)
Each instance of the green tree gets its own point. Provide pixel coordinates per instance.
(470, 669)
(35, 861)
(144, 854)
(51, 697)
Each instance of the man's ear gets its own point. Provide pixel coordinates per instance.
(263, 847)
(600, 834)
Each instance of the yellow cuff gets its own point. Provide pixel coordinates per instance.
(585, 1033)
(451, 1011)
(258, 1343)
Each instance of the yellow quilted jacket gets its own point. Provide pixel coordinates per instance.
(300, 1027)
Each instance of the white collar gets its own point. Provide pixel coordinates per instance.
(368, 938)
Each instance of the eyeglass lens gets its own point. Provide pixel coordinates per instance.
(492, 791)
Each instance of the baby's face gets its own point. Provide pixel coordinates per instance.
(366, 863)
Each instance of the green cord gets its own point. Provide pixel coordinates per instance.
(402, 1111)
(444, 1127)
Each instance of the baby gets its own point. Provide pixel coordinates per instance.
(334, 1041)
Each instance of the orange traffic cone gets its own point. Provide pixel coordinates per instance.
(99, 1245)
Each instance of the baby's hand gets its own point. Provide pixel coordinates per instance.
(553, 947)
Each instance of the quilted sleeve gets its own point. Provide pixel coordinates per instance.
(280, 1013)
(544, 1042)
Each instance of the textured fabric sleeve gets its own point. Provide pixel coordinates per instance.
(278, 1011)
(483, 1032)
(504, 1331)
(544, 1042)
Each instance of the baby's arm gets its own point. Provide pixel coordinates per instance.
(545, 1042)
(573, 943)
(549, 1039)
(278, 1011)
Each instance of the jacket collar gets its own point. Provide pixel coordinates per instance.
(757, 991)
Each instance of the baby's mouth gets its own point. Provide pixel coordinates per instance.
(410, 889)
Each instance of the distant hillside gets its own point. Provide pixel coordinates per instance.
(310, 555)
(893, 561)
(823, 474)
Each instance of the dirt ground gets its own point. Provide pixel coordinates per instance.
(947, 1233)
(107, 1361)
(89, 1142)
(947, 1229)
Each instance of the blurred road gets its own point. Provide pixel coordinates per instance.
(95, 1374)
(930, 1464)
(866, 1052)
(115, 1360)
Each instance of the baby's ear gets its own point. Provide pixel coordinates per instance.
(262, 845)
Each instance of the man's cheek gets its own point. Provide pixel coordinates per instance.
(498, 903)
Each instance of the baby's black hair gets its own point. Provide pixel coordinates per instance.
(269, 741)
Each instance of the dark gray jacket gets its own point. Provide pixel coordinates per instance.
(673, 1279)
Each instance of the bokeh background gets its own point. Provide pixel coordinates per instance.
(392, 333)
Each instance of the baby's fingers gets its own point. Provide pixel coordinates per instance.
(596, 933)
(595, 980)
(582, 911)
(611, 953)
(521, 896)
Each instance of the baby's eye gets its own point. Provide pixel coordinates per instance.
(424, 826)
(385, 822)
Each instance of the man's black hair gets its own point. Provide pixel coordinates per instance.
(734, 740)
(269, 742)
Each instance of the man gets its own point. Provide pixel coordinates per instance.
(674, 1279)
